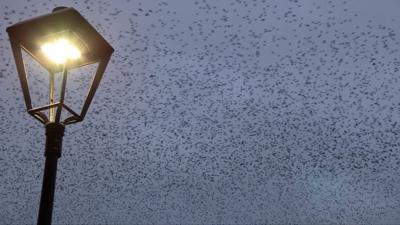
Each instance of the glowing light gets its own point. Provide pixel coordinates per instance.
(61, 50)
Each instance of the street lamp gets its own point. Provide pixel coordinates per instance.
(59, 41)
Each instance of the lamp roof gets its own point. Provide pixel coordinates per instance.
(31, 34)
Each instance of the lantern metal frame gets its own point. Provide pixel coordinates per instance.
(26, 36)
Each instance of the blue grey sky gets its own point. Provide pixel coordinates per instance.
(217, 112)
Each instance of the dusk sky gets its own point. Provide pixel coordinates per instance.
(216, 112)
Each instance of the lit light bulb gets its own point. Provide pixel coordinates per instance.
(60, 50)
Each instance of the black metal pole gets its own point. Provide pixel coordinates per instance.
(54, 135)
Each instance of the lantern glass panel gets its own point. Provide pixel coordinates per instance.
(38, 80)
(79, 81)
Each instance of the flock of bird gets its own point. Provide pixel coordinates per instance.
(216, 112)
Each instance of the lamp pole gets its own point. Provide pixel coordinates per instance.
(54, 136)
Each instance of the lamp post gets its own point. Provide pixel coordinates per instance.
(59, 41)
